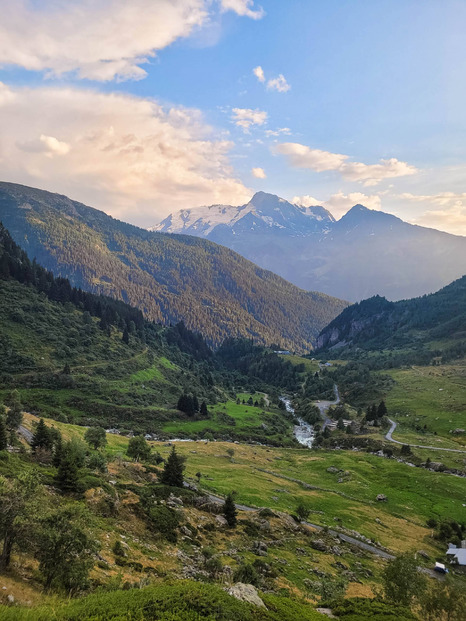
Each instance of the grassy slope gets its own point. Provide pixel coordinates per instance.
(432, 396)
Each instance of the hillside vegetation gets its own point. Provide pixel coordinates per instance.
(416, 330)
(169, 277)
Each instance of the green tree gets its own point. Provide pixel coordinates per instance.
(229, 511)
(96, 437)
(71, 460)
(173, 469)
(65, 550)
(125, 337)
(204, 410)
(14, 416)
(332, 591)
(41, 438)
(402, 580)
(3, 435)
(138, 448)
(17, 507)
(302, 512)
(443, 601)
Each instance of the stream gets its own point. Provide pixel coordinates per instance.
(304, 432)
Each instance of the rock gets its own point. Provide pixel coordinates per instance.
(336, 551)
(264, 526)
(175, 500)
(326, 611)
(423, 554)
(259, 548)
(301, 551)
(333, 470)
(185, 530)
(246, 593)
(10, 599)
(381, 498)
(319, 545)
(221, 521)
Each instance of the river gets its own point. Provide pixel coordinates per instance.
(304, 432)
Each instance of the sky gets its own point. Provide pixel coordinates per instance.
(146, 107)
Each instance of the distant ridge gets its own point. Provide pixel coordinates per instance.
(170, 278)
(365, 253)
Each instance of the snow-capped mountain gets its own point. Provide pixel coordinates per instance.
(264, 212)
(364, 253)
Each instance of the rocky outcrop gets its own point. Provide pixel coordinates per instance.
(246, 593)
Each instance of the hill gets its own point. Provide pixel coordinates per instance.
(364, 253)
(428, 326)
(170, 278)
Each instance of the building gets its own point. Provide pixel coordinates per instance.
(457, 556)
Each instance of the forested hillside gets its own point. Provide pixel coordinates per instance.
(169, 277)
(425, 327)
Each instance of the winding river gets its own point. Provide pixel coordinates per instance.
(304, 432)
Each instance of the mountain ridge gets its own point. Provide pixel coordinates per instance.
(169, 277)
(364, 253)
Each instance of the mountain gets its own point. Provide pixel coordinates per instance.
(364, 253)
(169, 277)
(430, 325)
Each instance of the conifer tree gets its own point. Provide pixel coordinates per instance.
(173, 470)
(68, 471)
(3, 435)
(229, 511)
(204, 410)
(125, 337)
(382, 410)
(41, 438)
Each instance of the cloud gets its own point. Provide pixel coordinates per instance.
(452, 220)
(276, 132)
(127, 155)
(259, 73)
(443, 199)
(338, 204)
(245, 8)
(259, 173)
(301, 156)
(278, 84)
(98, 39)
(274, 84)
(245, 117)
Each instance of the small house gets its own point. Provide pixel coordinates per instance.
(457, 556)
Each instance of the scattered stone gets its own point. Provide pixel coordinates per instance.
(336, 551)
(326, 611)
(319, 545)
(10, 599)
(301, 551)
(381, 498)
(333, 470)
(259, 548)
(423, 554)
(246, 593)
(221, 521)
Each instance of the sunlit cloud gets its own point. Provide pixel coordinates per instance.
(278, 84)
(259, 73)
(302, 156)
(338, 204)
(246, 117)
(130, 156)
(258, 173)
(244, 8)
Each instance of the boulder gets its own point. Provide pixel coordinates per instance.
(246, 593)
(220, 520)
(319, 545)
(259, 548)
(381, 498)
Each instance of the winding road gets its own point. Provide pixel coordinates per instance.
(324, 406)
(388, 436)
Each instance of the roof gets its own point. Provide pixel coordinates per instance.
(459, 554)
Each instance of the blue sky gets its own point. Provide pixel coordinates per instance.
(147, 107)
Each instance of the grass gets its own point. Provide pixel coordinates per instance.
(429, 396)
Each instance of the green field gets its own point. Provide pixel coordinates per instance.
(431, 396)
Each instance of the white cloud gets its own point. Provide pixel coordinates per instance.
(452, 220)
(259, 173)
(245, 117)
(443, 199)
(276, 132)
(338, 204)
(278, 84)
(306, 201)
(301, 156)
(245, 8)
(124, 154)
(259, 73)
(100, 39)
(97, 39)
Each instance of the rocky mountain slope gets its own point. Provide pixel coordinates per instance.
(365, 253)
(170, 278)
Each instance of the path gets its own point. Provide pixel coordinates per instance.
(324, 406)
(27, 435)
(388, 436)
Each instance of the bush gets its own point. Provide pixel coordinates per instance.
(164, 521)
(246, 573)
